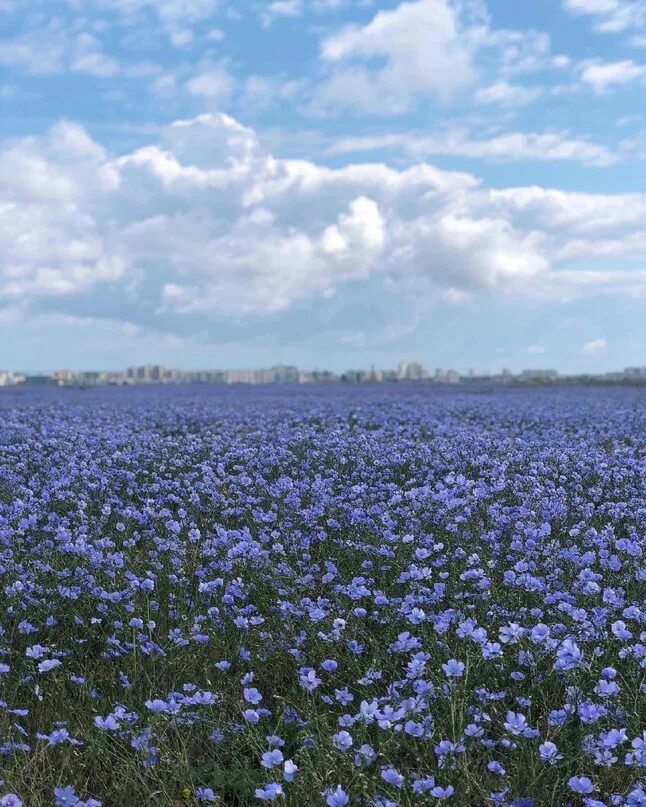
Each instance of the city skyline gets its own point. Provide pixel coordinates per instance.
(539, 362)
(322, 182)
(405, 371)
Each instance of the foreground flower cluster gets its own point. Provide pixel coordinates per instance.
(392, 597)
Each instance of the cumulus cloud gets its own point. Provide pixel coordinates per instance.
(437, 49)
(204, 222)
(422, 50)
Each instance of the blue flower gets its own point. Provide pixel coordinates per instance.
(568, 656)
(269, 792)
(442, 792)
(272, 758)
(336, 798)
(342, 740)
(392, 777)
(65, 796)
(48, 664)
(251, 695)
(580, 784)
(453, 668)
(290, 770)
(549, 752)
(109, 723)
(205, 794)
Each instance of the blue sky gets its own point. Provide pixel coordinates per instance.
(322, 182)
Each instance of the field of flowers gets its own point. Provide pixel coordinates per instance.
(361, 596)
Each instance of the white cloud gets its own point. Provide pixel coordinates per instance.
(176, 17)
(89, 58)
(59, 47)
(264, 92)
(610, 16)
(422, 49)
(506, 94)
(56, 49)
(594, 346)
(506, 147)
(430, 48)
(592, 216)
(214, 83)
(536, 350)
(296, 8)
(602, 75)
(281, 8)
(205, 223)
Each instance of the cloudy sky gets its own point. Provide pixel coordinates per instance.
(330, 183)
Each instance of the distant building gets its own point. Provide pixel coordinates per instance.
(289, 374)
(10, 379)
(37, 380)
(539, 375)
(411, 371)
(63, 377)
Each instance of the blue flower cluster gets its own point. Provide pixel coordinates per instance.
(342, 596)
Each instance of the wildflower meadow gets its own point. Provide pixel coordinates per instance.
(323, 596)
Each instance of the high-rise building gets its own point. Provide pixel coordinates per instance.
(411, 371)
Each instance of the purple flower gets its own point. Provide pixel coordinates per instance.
(392, 777)
(251, 695)
(48, 664)
(36, 651)
(109, 723)
(308, 678)
(205, 794)
(636, 797)
(11, 800)
(342, 740)
(65, 796)
(453, 668)
(515, 723)
(549, 752)
(157, 705)
(620, 630)
(272, 758)
(269, 792)
(580, 784)
(568, 656)
(336, 798)
(442, 792)
(289, 770)
(423, 785)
